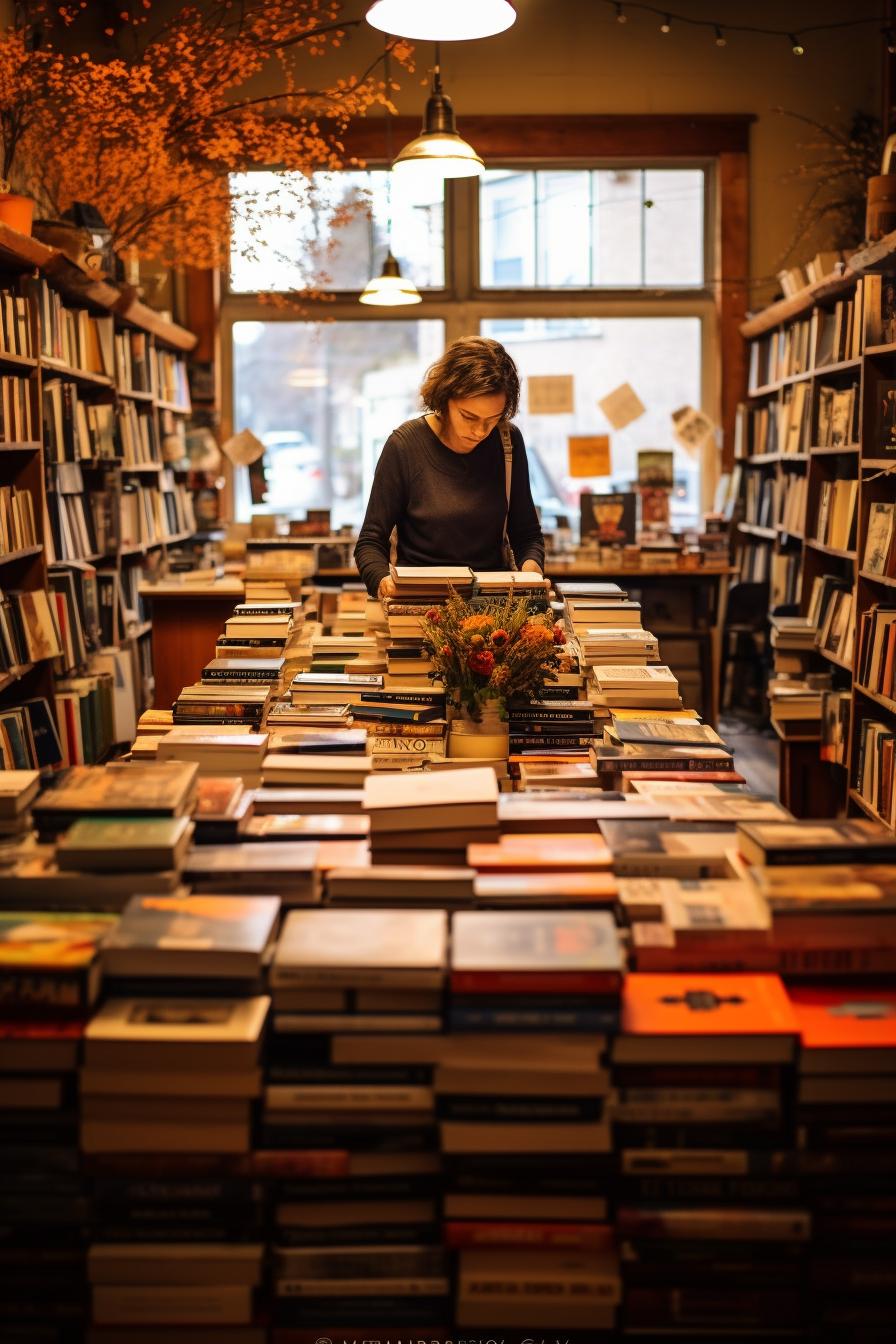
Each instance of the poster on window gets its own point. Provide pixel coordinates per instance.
(551, 394)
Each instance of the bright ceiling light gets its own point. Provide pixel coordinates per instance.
(390, 289)
(441, 20)
(438, 151)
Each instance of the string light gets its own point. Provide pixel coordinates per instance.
(720, 29)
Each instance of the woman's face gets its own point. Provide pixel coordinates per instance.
(472, 419)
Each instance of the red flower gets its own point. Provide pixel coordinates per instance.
(447, 652)
(434, 615)
(559, 637)
(499, 639)
(482, 663)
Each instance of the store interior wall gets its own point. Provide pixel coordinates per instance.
(572, 56)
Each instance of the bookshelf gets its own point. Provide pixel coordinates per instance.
(93, 403)
(822, 366)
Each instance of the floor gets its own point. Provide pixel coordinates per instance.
(755, 753)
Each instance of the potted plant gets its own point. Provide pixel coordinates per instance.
(486, 654)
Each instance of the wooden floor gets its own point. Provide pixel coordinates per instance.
(755, 753)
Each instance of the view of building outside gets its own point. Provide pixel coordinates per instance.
(323, 398)
(658, 356)
(580, 228)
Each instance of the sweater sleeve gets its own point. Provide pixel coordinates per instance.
(385, 507)
(523, 527)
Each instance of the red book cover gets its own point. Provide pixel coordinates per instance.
(854, 1017)
(706, 1005)
(686, 776)
(535, 982)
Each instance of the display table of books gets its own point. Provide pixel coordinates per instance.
(311, 1030)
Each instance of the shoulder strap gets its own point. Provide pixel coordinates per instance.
(507, 445)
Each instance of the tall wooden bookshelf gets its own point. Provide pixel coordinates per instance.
(29, 465)
(857, 459)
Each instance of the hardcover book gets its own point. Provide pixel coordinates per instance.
(116, 844)
(816, 842)
(201, 936)
(362, 947)
(511, 951)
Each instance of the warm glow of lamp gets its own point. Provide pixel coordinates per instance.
(441, 20)
(438, 151)
(390, 289)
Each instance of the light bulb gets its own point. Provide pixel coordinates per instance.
(441, 20)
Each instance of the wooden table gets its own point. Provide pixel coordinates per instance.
(707, 597)
(186, 622)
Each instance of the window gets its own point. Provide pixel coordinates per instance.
(323, 398)
(332, 232)
(660, 356)
(597, 272)
(611, 227)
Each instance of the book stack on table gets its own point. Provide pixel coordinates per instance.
(357, 1009)
(51, 971)
(523, 1124)
(711, 1223)
(430, 818)
(845, 1106)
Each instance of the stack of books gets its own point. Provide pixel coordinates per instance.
(372, 980)
(710, 1219)
(711, 925)
(209, 703)
(166, 1091)
(626, 687)
(523, 1122)
(846, 1090)
(18, 789)
(432, 585)
(831, 889)
(551, 729)
(50, 969)
(430, 818)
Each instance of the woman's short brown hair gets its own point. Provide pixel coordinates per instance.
(474, 366)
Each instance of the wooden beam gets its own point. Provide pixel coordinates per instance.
(598, 136)
(731, 296)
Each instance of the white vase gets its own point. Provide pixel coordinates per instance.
(486, 740)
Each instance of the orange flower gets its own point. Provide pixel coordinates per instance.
(537, 634)
(499, 639)
(478, 622)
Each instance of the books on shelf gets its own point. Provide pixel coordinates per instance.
(836, 521)
(28, 629)
(17, 524)
(837, 416)
(16, 424)
(878, 538)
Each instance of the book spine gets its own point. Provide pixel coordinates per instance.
(550, 716)
(533, 743)
(239, 675)
(572, 1236)
(399, 697)
(686, 764)
(535, 982)
(534, 1019)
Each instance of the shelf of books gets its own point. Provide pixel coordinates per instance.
(93, 400)
(816, 455)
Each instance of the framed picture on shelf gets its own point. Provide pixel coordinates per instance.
(885, 426)
(879, 538)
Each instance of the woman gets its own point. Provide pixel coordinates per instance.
(441, 481)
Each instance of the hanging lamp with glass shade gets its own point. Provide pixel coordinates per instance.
(438, 151)
(442, 20)
(389, 289)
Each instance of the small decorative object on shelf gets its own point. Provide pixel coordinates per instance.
(487, 654)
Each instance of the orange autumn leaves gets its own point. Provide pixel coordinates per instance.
(151, 141)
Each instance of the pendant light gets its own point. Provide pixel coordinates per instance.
(438, 151)
(442, 20)
(390, 289)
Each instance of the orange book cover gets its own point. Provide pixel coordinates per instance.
(566, 886)
(706, 1005)
(857, 1017)
(527, 853)
(342, 854)
(684, 776)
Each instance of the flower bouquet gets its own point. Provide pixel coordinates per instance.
(492, 652)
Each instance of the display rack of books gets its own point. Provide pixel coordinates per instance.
(93, 395)
(816, 448)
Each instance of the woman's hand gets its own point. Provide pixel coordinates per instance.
(386, 588)
(531, 567)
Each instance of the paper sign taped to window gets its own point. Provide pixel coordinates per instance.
(589, 455)
(691, 428)
(243, 449)
(622, 406)
(551, 394)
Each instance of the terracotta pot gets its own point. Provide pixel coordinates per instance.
(17, 212)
